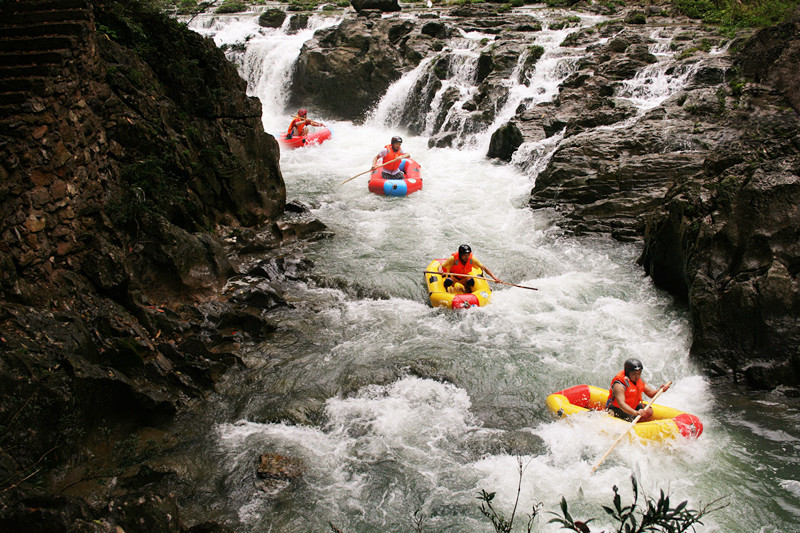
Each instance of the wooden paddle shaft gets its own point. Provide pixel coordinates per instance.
(370, 170)
(630, 427)
(478, 277)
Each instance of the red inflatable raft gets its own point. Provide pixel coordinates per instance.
(315, 137)
(399, 187)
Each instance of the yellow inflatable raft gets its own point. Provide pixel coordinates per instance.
(667, 423)
(456, 297)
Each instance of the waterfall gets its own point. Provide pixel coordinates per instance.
(265, 56)
(657, 82)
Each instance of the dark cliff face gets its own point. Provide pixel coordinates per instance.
(726, 237)
(137, 132)
(128, 149)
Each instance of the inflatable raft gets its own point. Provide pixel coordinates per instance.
(315, 137)
(401, 187)
(667, 423)
(456, 297)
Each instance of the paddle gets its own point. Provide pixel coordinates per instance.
(370, 170)
(479, 277)
(633, 423)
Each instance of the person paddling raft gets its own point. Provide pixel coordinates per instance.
(392, 155)
(462, 262)
(625, 394)
(300, 123)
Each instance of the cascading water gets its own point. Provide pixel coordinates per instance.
(653, 84)
(409, 409)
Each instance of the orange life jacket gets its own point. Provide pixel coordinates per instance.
(299, 122)
(461, 268)
(391, 154)
(633, 391)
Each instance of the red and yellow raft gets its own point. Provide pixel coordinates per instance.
(456, 297)
(667, 423)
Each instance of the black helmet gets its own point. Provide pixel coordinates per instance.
(397, 139)
(464, 249)
(632, 365)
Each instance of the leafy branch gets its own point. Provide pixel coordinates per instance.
(654, 516)
(501, 525)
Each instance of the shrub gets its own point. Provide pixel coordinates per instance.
(637, 517)
(232, 6)
(732, 14)
(636, 18)
(653, 515)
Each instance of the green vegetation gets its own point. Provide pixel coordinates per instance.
(737, 86)
(560, 3)
(729, 14)
(647, 516)
(651, 516)
(734, 14)
(636, 17)
(232, 6)
(299, 5)
(705, 45)
(536, 52)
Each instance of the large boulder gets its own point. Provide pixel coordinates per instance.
(505, 142)
(344, 70)
(386, 6)
(772, 59)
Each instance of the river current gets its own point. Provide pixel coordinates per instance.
(412, 411)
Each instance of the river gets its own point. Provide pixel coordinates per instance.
(410, 409)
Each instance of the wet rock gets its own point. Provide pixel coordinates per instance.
(282, 268)
(435, 29)
(297, 22)
(623, 68)
(641, 52)
(772, 58)
(764, 375)
(272, 18)
(145, 144)
(345, 69)
(260, 294)
(299, 228)
(505, 142)
(386, 6)
(442, 140)
(497, 442)
(274, 466)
